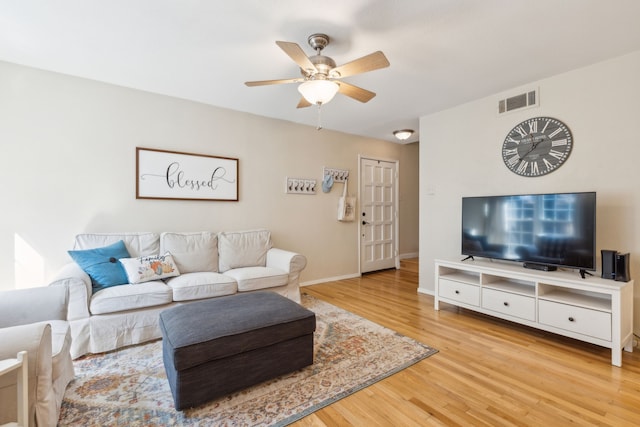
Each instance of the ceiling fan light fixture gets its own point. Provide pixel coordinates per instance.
(318, 91)
(403, 134)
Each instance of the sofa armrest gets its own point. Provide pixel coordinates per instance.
(78, 284)
(290, 262)
(24, 306)
(35, 338)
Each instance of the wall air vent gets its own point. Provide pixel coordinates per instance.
(517, 102)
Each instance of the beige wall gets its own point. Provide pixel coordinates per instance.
(67, 149)
(409, 200)
(461, 156)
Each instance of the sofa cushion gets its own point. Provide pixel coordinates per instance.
(130, 297)
(138, 244)
(101, 264)
(243, 249)
(201, 285)
(254, 278)
(192, 252)
(151, 267)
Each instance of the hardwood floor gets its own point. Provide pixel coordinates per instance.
(488, 372)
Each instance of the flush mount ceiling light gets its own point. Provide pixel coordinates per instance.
(318, 92)
(403, 134)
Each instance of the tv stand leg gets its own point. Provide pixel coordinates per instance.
(469, 257)
(616, 357)
(584, 272)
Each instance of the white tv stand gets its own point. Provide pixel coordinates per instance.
(594, 310)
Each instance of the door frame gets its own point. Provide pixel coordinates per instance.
(396, 189)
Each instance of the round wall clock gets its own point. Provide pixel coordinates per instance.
(537, 146)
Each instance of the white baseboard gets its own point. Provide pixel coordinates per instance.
(330, 279)
(426, 291)
(351, 276)
(409, 255)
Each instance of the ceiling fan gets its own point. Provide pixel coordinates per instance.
(320, 76)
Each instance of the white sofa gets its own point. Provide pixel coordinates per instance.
(209, 265)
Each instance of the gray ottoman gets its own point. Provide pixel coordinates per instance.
(221, 345)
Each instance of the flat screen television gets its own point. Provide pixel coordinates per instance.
(544, 231)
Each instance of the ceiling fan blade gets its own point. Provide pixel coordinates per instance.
(373, 61)
(274, 82)
(355, 92)
(296, 53)
(303, 103)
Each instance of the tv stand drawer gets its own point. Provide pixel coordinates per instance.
(511, 304)
(458, 291)
(583, 321)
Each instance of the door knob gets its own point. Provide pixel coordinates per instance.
(364, 222)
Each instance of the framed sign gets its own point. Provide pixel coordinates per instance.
(164, 174)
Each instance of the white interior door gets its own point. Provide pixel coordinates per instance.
(378, 215)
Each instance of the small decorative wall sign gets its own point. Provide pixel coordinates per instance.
(162, 174)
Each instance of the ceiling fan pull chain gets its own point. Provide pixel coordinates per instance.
(319, 126)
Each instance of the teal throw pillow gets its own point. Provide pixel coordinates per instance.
(102, 266)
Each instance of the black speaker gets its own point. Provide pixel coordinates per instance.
(622, 267)
(608, 264)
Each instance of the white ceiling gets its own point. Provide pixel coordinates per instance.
(442, 52)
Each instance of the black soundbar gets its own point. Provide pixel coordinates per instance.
(542, 267)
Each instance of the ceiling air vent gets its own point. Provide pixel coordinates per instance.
(523, 100)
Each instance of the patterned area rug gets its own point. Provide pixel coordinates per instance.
(129, 387)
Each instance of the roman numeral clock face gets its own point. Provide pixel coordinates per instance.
(537, 146)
